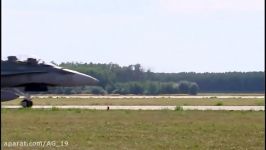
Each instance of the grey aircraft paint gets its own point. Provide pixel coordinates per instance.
(35, 75)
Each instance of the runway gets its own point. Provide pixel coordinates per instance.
(102, 107)
(141, 97)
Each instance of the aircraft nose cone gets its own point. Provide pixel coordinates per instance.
(80, 79)
(83, 79)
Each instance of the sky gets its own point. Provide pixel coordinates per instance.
(161, 35)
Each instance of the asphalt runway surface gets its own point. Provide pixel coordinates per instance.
(104, 107)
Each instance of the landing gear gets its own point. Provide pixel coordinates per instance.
(26, 103)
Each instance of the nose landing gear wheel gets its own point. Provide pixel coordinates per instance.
(26, 103)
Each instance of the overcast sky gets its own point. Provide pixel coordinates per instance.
(162, 35)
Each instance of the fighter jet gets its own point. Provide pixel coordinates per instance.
(34, 75)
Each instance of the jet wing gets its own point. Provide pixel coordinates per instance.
(7, 95)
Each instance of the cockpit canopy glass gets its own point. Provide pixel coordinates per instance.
(30, 60)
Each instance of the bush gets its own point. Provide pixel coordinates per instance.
(168, 88)
(193, 89)
(184, 87)
(219, 104)
(136, 88)
(97, 90)
(178, 108)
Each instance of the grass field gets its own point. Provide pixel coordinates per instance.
(143, 101)
(91, 129)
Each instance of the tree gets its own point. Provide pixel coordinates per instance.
(113, 74)
(193, 89)
(136, 88)
(97, 90)
(152, 88)
(184, 87)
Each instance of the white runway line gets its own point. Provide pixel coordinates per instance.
(101, 107)
(255, 108)
(146, 97)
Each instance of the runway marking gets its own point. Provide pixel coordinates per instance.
(145, 97)
(104, 107)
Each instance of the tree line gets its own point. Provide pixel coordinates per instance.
(134, 79)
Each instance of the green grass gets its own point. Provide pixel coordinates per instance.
(142, 130)
(220, 103)
(143, 101)
(178, 108)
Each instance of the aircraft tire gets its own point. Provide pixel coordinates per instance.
(30, 103)
(26, 103)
